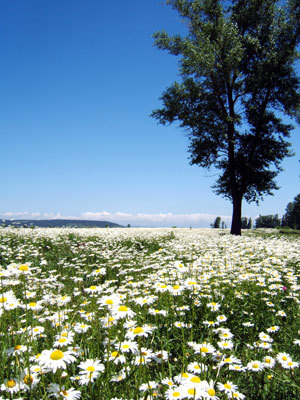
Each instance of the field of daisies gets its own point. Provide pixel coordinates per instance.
(148, 314)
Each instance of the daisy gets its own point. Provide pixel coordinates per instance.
(273, 329)
(54, 359)
(209, 390)
(117, 358)
(6, 299)
(225, 344)
(255, 366)
(128, 346)
(81, 327)
(148, 385)
(196, 368)
(283, 357)
(30, 380)
(55, 391)
(109, 301)
(204, 349)
(227, 387)
(160, 356)
(139, 331)
(122, 311)
(269, 361)
(90, 370)
(17, 350)
(11, 386)
(168, 381)
(237, 396)
(174, 393)
(290, 364)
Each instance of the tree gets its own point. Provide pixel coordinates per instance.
(237, 69)
(267, 221)
(217, 223)
(291, 217)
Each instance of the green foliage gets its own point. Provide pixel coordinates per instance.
(291, 217)
(267, 221)
(237, 70)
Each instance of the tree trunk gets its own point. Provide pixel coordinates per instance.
(236, 216)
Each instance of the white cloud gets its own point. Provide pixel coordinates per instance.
(123, 218)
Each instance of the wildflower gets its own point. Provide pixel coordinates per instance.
(62, 393)
(273, 328)
(225, 344)
(255, 366)
(209, 391)
(269, 362)
(174, 393)
(148, 385)
(89, 370)
(290, 364)
(227, 387)
(213, 306)
(122, 311)
(17, 350)
(11, 386)
(160, 356)
(265, 338)
(204, 349)
(128, 346)
(237, 396)
(117, 358)
(81, 327)
(139, 331)
(283, 357)
(30, 380)
(168, 382)
(54, 359)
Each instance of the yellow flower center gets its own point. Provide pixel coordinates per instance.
(176, 287)
(11, 383)
(195, 379)
(227, 360)
(28, 379)
(33, 304)
(227, 386)
(90, 368)
(3, 299)
(62, 340)
(255, 365)
(18, 347)
(211, 392)
(284, 358)
(109, 301)
(23, 267)
(138, 330)
(204, 349)
(65, 393)
(184, 375)
(125, 346)
(114, 354)
(192, 392)
(93, 288)
(64, 334)
(56, 355)
(122, 308)
(176, 394)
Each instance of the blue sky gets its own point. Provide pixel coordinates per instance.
(79, 80)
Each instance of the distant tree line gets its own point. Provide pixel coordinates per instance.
(291, 219)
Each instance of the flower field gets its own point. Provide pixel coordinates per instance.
(148, 314)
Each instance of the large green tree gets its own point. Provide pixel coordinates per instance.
(237, 68)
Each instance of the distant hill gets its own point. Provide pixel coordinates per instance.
(59, 223)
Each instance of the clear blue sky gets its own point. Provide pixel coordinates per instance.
(79, 80)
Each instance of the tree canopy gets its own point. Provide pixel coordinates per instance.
(237, 68)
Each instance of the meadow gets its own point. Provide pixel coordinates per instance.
(148, 314)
